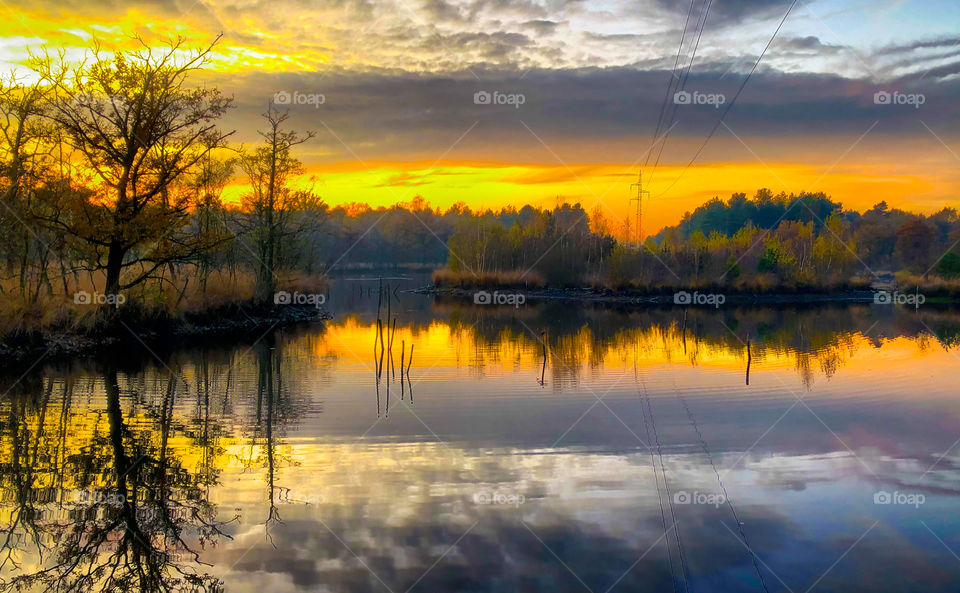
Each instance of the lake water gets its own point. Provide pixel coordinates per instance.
(546, 447)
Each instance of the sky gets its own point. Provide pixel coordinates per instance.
(396, 91)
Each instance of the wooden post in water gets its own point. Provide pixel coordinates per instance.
(749, 358)
(389, 335)
(379, 295)
(543, 369)
(403, 350)
(392, 371)
(409, 363)
(683, 332)
(382, 349)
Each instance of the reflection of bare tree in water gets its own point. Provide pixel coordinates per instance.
(143, 516)
(266, 398)
(20, 479)
(383, 358)
(274, 408)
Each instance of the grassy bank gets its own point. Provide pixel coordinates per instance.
(446, 278)
(763, 288)
(62, 324)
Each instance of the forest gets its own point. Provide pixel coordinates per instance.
(767, 242)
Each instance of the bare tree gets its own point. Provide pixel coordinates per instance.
(139, 128)
(272, 203)
(26, 144)
(209, 218)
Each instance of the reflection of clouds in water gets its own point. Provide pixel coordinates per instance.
(400, 499)
(598, 512)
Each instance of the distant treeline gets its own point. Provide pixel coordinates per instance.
(765, 241)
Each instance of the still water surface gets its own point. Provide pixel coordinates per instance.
(628, 454)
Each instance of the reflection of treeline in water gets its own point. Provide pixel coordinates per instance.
(107, 476)
(818, 338)
(798, 241)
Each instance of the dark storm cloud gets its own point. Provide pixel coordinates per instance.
(541, 26)
(441, 10)
(931, 59)
(391, 108)
(725, 13)
(492, 46)
(943, 42)
(616, 37)
(810, 43)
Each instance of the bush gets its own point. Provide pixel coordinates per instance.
(447, 278)
(949, 265)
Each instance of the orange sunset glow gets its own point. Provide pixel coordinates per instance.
(397, 118)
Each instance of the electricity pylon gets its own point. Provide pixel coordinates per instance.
(639, 199)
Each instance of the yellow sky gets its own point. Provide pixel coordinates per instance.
(494, 185)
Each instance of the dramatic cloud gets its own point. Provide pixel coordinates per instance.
(400, 112)
(570, 83)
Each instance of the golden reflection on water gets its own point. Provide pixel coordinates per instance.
(117, 480)
(447, 350)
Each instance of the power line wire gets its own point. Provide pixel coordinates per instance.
(683, 82)
(656, 479)
(673, 76)
(726, 496)
(730, 104)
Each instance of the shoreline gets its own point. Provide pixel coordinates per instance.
(239, 321)
(630, 297)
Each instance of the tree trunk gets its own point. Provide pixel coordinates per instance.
(114, 267)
